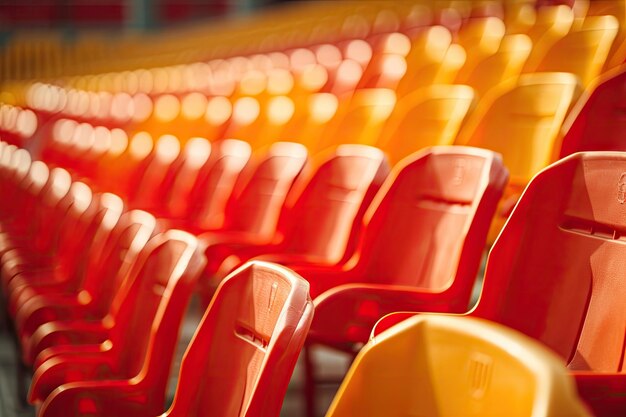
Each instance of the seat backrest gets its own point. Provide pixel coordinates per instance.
(598, 122)
(54, 200)
(481, 38)
(149, 192)
(429, 46)
(192, 159)
(440, 201)
(436, 365)
(258, 198)
(111, 259)
(146, 314)
(428, 117)
(584, 50)
(521, 121)
(362, 119)
(554, 272)
(552, 23)
(241, 358)
(324, 220)
(214, 185)
(507, 62)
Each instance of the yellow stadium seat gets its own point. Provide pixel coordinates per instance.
(481, 38)
(616, 8)
(428, 117)
(551, 24)
(443, 366)
(362, 118)
(503, 65)
(584, 50)
(429, 48)
(520, 120)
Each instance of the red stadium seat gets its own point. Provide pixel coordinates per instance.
(102, 276)
(238, 363)
(143, 321)
(597, 122)
(554, 273)
(320, 221)
(422, 241)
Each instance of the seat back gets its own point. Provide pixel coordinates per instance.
(435, 365)
(506, 63)
(195, 155)
(440, 202)
(554, 272)
(597, 122)
(584, 50)
(214, 185)
(481, 38)
(428, 117)
(111, 260)
(323, 222)
(147, 311)
(552, 23)
(151, 186)
(257, 201)
(241, 358)
(363, 118)
(521, 121)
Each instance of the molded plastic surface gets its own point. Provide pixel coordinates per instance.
(456, 366)
(554, 272)
(238, 363)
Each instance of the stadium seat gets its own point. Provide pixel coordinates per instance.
(103, 276)
(520, 120)
(596, 122)
(431, 116)
(480, 38)
(553, 273)
(583, 51)
(421, 245)
(504, 64)
(321, 218)
(143, 322)
(552, 23)
(238, 363)
(81, 232)
(361, 119)
(456, 366)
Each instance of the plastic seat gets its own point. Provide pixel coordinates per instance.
(37, 244)
(238, 363)
(103, 276)
(456, 366)
(362, 118)
(617, 54)
(56, 247)
(596, 122)
(551, 24)
(428, 117)
(150, 189)
(214, 185)
(143, 322)
(504, 64)
(520, 120)
(81, 232)
(429, 48)
(440, 201)
(583, 51)
(251, 213)
(554, 273)
(481, 38)
(321, 218)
